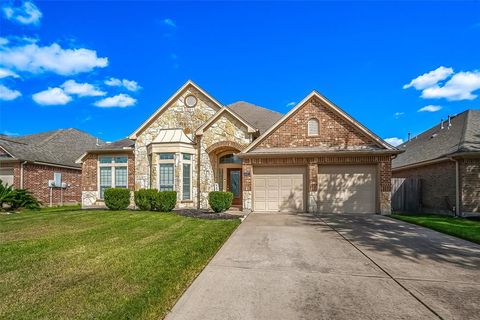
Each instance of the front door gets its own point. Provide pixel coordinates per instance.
(234, 185)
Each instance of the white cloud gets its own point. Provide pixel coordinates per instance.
(430, 78)
(3, 41)
(8, 94)
(398, 114)
(394, 141)
(81, 89)
(122, 100)
(27, 13)
(169, 22)
(460, 87)
(52, 96)
(430, 108)
(5, 73)
(37, 59)
(130, 85)
(291, 104)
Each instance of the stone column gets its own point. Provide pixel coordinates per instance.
(312, 183)
(247, 171)
(385, 186)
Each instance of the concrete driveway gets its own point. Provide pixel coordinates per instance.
(299, 266)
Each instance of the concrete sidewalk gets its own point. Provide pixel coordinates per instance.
(297, 266)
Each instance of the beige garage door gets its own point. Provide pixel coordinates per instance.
(6, 176)
(278, 189)
(346, 189)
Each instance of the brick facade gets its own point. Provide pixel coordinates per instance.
(469, 170)
(438, 185)
(16, 171)
(334, 131)
(35, 179)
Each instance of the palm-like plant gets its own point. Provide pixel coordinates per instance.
(6, 194)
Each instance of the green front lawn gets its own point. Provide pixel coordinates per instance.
(64, 264)
(458, 227)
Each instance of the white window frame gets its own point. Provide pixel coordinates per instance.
(166, 161)
(190, 162)
(312, 120)
(111, 165)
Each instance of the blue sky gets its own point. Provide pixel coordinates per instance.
(104, 67)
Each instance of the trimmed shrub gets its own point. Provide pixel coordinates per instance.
(117, 198)
(165, 201)
(220, 201)
(145, 199)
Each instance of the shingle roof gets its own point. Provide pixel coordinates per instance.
(60, 147)
(259, 117)
(462, 136)
(121, 144)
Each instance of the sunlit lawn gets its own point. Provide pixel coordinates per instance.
(64, 264)
(463, 228)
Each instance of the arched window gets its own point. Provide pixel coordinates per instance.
(313, 126)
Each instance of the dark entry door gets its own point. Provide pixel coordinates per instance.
(234, 185)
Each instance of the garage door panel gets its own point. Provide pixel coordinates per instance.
(278, 189)
(346, 189)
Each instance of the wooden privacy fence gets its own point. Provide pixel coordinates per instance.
(406, 195)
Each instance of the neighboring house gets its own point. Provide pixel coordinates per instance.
(446, 158)
(30, 161)
(315, 158)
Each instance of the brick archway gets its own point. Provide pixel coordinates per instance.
(225, 145)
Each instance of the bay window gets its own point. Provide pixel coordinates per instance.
(166, 172)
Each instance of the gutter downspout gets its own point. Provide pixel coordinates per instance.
(21, 173)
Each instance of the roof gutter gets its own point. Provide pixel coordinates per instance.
(420, 164)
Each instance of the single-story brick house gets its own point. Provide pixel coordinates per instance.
(31, 161)
(446, 158)
(315, 158)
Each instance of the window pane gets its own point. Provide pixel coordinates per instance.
(167, 156)
(312, 127)
(186, 181)
(121, 159)
(121, 177)
(166, 177)
(105, 179)
(106, 159)
(230, 158)
(187, 156)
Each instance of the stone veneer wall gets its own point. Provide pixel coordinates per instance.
(383, 185)
(225, 129)
(176, 115)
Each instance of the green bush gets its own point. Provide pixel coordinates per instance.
(23, 199)
(117, 198)
(220, 201)
(165, 201)
(17, 198)
(145, 199)
(6, 194)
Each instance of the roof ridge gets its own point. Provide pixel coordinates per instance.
(253, 104)
(50, 137)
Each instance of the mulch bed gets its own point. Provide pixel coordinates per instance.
(205, 214)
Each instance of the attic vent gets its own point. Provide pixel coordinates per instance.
(191, 101)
